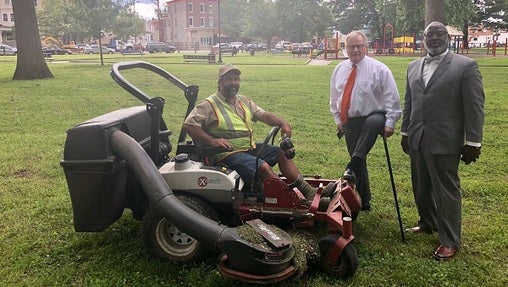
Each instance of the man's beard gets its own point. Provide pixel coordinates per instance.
(230, 91)
(436, 50)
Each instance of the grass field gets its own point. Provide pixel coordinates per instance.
(39, 247)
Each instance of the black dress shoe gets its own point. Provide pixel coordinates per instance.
(365, 206)
(419, 229)
(349, 175)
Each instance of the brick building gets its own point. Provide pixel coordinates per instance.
(191, 24)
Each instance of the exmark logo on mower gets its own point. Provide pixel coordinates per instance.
(204, 181)
(268, 232)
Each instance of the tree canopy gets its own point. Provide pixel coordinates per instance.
(301, 20)
(407, 16)
(86, 19)
(293, 20)
(492, 14)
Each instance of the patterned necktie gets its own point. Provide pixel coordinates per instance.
(346, 97)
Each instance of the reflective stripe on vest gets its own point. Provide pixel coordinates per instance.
(231, 126)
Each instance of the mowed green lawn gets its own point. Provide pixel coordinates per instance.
(39, 247)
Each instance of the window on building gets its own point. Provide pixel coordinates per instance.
(202, 21)
(12, 17)
(5, 18)
(202, 7)
(210, 22)
(35, 3)
(7, 2)
(190, 7)
(206, 41)
(191, 22)
(210, 9)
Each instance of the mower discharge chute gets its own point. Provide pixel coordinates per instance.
(122, 160)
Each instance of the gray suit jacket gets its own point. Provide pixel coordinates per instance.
(449, 110)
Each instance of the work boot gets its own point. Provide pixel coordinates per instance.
(329, 189)
(305, 188)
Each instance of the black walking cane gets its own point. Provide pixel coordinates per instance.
(403, 238)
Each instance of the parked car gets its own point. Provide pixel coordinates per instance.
(7, 50)
(94, 49)
(282, 45)
(121, 46)
(301, 48)
(222, 45)
(225, 48)
(154, 47)
(54, 50)
(237, 45)
(257, 47)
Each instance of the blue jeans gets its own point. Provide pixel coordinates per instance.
(245, 162)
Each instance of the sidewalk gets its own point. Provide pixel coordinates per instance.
(318, 62)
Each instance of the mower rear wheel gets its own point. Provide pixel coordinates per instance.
(164, 240)
(347, 263)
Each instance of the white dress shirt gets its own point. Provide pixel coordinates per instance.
(375, 90)
(430, 65)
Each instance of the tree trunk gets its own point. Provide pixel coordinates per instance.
(30, 63)
(435, 11)
(465, 37)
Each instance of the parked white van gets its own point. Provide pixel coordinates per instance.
(237, 45)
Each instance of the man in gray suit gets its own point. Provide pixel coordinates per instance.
(442, 120)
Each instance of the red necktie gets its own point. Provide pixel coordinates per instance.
(346, 97)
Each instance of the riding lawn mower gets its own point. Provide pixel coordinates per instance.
(190, 208)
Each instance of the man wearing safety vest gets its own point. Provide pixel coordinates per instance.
(224, 120)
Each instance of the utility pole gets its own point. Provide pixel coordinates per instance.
(220, 36)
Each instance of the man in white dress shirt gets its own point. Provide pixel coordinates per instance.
(374, 108)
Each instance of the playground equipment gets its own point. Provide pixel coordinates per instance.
(334, 48)
(396, 46)
(404, 45)
(391, 45)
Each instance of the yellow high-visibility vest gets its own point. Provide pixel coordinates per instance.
(231, 126)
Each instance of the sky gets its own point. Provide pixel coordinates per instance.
(145, 8)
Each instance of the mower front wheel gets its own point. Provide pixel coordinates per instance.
(347, 263)
(165, 241)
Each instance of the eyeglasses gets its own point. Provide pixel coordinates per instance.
(435, 34)
(353, 47)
